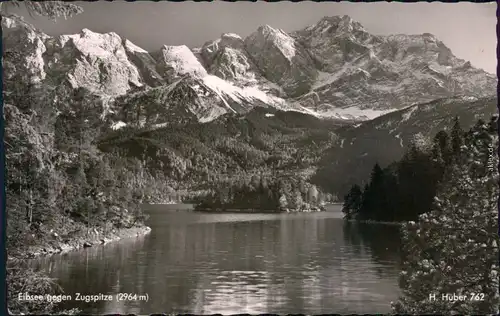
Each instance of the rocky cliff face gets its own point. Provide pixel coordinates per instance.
(335, 41)
(177, 61)
(226, 58)
(334, 68)
(282, 60)
(97, 62)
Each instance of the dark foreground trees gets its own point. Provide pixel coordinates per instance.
(453, 249)
(27, 175)
(448, 192)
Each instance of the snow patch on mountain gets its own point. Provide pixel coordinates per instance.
(134, 48)
(398, 136)
(211, 115)
(406, 116)
(240, 94)
(236, 36)
(96, 44)
(353, 113)
(220, 86)
(469, 98)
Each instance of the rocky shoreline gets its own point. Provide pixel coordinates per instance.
(253, 211)
(304, 210)
(368, 221)
(94, 238)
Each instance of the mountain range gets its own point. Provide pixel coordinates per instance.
(332, 69)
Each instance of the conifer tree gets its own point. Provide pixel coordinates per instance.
(437, 158)
(365, 211)
(376, 192)
(352, 202)
(457, 135)
(443, 139)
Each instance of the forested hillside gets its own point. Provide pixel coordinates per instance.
(197, 155)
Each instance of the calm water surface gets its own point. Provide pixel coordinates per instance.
(239, 263)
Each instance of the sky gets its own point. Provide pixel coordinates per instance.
(468, 29)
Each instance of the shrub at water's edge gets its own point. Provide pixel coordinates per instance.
(261, 194)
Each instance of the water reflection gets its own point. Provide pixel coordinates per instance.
(243, 263)
(97, 270)
(382, 241)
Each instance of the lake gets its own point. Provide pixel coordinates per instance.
(308, 263)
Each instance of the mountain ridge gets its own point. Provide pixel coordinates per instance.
(359, 147)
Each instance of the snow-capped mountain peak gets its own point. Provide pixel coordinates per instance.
(178, 61)
(280, 39)
(231, 35)
(339, 24)
(96, 44)
(334, 68)
(336, 26)
(210, 49)
(394, 70)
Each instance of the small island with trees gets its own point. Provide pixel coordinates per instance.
(261, 194)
